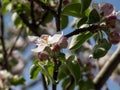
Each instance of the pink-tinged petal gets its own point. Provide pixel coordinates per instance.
(55, 38)
(107, 9)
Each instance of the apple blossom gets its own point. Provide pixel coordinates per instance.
(107, 9)
(114, 38)
(48, 41)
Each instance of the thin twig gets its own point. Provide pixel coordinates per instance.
(32, 12)
(107, 69)
(14, 43)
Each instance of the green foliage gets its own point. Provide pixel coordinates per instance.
(94, 17)
(72, 9)
(82, 21)
(85, 4)
(6, 6)
(34, 71)
(16, 80)
(64, 21)
(79, 39)
(101, 48)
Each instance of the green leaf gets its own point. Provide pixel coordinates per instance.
(7, 6)
(75, 1)
(86, 85)
(85, 4)
(81, 21)
(68, 83)
(72, 9)
(94, 17)
(63, 72)
(101, 48)
(64, 21)
(74, 68)
(17, 80)
(34, 71)
(79, 39)
(17, 20)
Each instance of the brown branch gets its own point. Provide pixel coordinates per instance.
(32, 27)
(107, 69)
(58, 15)
(92, 28)
(32, 12)
(5, 59)
(14, 43)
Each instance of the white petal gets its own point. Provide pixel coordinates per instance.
(55, 38)
(38, 49)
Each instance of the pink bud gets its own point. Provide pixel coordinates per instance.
(111, 21)
(106, 9)
(63, 42)
(114, 38)
(43, 55)
(55, 48)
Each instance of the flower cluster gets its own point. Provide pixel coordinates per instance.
(107, 11)
(55, 43)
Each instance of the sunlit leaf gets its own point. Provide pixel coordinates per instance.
(79, 39)
(16, 80)
(34, 71)
(72, 10)
(74, 68)
(85, 4)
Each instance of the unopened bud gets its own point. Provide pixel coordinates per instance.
(55, 48)
(111, 21)
(114, 38)
(63, 43)
(107, 9)
(43, 55)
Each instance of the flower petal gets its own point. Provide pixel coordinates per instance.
(38, 49)
(55, 38)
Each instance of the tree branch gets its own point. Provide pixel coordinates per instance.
(58, 15)
(32, 27)
(107, 69)
(5, 59)
(92, 28)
